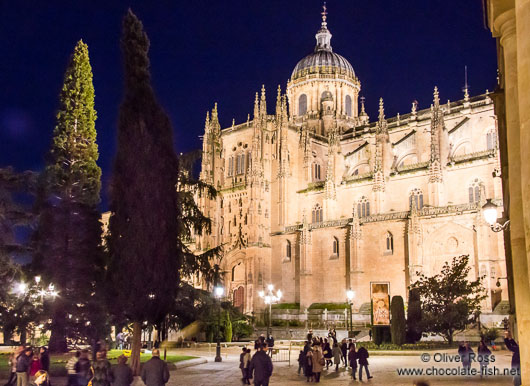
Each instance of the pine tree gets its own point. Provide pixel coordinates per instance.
(144, 259)
(68, 238)
(414, 331)
(397, 325)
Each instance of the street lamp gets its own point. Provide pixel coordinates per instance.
(270, 298)
(350, 295)
(489, 211)
(218, 293)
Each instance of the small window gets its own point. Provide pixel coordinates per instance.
(389, 243)
(335, 246)
(316, 215)
(363, 207)
(288, 250)
(347, 106)
(493, 272)
(316, 172)
(491, 139)
(474, 191)
(302, 104)
(416, 196)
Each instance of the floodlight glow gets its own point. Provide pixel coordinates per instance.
(270, 287)
(279, 294)
(350, 294)
(219, 291)
(261, 294)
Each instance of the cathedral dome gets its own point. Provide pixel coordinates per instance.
(323, 60)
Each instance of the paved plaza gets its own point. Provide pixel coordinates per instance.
(383, 368)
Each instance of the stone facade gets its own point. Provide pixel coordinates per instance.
(317, 198)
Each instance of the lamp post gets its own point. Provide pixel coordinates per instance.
(350, 295)
(489, 211)
(218, 293)
(270, 298)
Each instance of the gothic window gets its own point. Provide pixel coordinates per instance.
(231, 166)
(302, 104)
(240, 163)
(474, 191)
(347, 103)
(316, 214)
(229, 206)
(389, 242)
(335, 246)
(249, 158)
(288, 250)
(239, 298)
(222, 225)
(273, 138)
(491, 139)
(259, 208)
(416, 195)
(363, 207)
(493, 272)
(240, 202)
(316, 172)
(266, 213)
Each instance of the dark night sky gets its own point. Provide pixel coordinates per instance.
(206, 51)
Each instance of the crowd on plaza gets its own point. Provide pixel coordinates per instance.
(32, 369)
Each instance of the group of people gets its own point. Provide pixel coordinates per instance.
(28, 365)
(319, 352)
(259, 366)
(123, 340)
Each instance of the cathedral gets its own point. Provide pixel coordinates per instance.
(318, 199)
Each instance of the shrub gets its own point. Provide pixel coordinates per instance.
(414, 331)
(228, 327)
(381, 334)
(286, 306)
(489, 334)
(398, 322)
(329, 306)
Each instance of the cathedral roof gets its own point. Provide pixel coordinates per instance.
(323, 60)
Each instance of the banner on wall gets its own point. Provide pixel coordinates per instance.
(380, 303)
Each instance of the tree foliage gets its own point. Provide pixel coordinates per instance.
(398, 323)
(449, 300)
(67, 243)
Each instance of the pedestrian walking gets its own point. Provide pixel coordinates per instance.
(352, 360)
(83, 369)
(122, 374)
(23, 366)
(270, 344)
(317, 362)
(260, 368)
(328, 354)
(101, 374)
(362, 356)
(483, 357)
(12, 362)
(301, 361)
(246, 366)
(35, 366)
(308, 365)
(336, 355)
(511, 345)
(310, 336)
(243, 366)
(44, 356)
(155, 371)
(344, 352)
(70, 369)
(466, 354)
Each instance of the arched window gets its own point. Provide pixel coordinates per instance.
(231, 166)
(491, 139)
(288, 250)
(347, 105)
(302, 104)
(316, 215)
(363, 207)
(389, 242)
(335, 246)
(493, 272)
(474, 191)
(316, 172)
(416, 196)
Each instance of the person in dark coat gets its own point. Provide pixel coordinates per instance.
(344, 351)
(270, 344)
(483, 357)
(310, 336)
(301, 361)
(155, 371)
(362, 356)
(23, 365)
(82, 369)
(260, 368)
(352, 360)
(101, 370)
(44, 359)
(243, 366)
(512, 345)
(122, 374)
(328, 354)
(466, 353)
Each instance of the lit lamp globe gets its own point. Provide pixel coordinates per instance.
(350, 295)
(279, 294)
(219, 291)
(490, 212)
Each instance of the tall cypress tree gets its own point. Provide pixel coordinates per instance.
(68, 238)
(144, 260)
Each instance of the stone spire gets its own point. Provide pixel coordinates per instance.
(436, 120)
(466, 86)
(279, 104)
(215, 126)
(323, 35)
(263, 103)
(256, 107)
(439, 152)
(382, 127)
(364, 119)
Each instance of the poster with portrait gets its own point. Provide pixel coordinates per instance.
(380, 303)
